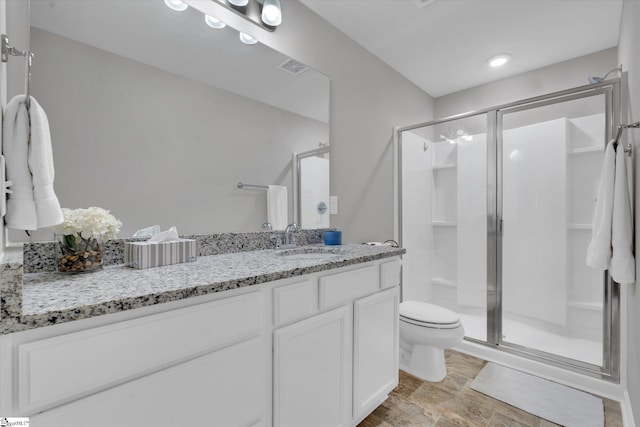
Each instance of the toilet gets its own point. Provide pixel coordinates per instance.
(425, 331)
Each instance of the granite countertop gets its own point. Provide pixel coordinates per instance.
(49, 298)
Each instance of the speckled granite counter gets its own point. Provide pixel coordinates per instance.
(49, 298)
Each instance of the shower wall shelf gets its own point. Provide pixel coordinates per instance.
(574, 226)
(438, 223)
(443, 166)
(443, 282)
(585, 150)
(593, 306)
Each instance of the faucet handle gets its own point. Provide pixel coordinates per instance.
(277, 241)
(267, 226)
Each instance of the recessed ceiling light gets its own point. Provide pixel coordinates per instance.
(499, 60)
(213, 22)
(176, 5)
(247, 39)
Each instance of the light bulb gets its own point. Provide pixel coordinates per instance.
(213, 22)
(499, 60)
(176, 5)
(239, 3)
(247, 39)
(272, 12)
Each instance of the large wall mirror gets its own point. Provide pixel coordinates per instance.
(156, 116)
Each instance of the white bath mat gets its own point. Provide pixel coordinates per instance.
(553, 402)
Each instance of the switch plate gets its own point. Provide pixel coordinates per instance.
(333, 205)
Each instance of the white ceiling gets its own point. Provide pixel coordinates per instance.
(181, 43)
(444, 46)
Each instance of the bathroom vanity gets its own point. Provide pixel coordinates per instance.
(254, 338)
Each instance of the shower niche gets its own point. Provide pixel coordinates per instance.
(495, 214)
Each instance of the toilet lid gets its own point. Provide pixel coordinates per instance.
(427, 313)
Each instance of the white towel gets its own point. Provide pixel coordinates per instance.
(21, 207)
(29, 160)
(599, 252)
(277, 207)
(622, 261)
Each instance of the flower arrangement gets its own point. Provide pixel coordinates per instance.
(80, 238)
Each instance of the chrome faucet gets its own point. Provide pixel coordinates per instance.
(290, 239)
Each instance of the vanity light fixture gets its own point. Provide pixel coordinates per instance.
(213, 22)
(247, 39)
(239, 3)
(499, 60)
(272, 12)
(266, 14)
(177, 5)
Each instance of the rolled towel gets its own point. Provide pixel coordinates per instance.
(41, 167)
(623, 264)
(277, 206)
(21, 206)
(599, 251)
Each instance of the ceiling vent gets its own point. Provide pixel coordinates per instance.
(292, 66)
(423, 3)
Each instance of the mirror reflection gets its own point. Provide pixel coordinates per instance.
(312, 168)
(156, 116)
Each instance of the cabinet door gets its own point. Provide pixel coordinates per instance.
(224, 388)
(375, 351)
(312, 371)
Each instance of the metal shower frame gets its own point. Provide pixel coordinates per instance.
(610, 369)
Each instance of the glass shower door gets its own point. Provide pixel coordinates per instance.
(444, 218)
(550, 155)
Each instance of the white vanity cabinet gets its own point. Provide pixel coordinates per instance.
(221, 388)
(335, 367)
(375, 350)
(311, 371)
(203, 364)
(315, 350)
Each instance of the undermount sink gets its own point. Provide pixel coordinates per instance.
(311, 253)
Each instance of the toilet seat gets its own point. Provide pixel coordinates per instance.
(428, 315)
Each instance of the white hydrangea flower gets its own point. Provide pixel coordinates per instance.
(90, 222)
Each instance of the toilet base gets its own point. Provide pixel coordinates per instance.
(427, 363)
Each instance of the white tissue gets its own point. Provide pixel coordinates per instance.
(147, 232)
(170, 235)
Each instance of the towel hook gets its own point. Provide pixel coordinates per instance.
(621, 128)
(8, 50)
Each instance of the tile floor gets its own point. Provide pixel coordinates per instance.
(451, 403)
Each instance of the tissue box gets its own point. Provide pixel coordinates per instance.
(148, 255)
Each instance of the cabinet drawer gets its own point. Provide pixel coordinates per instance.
(59, 369)
(344, 287)
(295, 301)
(222, 388)
(390, 273)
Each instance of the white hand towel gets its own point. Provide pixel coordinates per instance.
(599, 251)
(622, 262)
(277, 207)
(41, 166)
(21, 206)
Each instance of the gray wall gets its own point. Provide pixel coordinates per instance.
(629, 56)
(368, 98)
(157, 148)
(563, 75)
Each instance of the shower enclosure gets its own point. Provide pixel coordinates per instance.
(495, 210)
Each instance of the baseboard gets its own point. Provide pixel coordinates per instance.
(627, 412)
